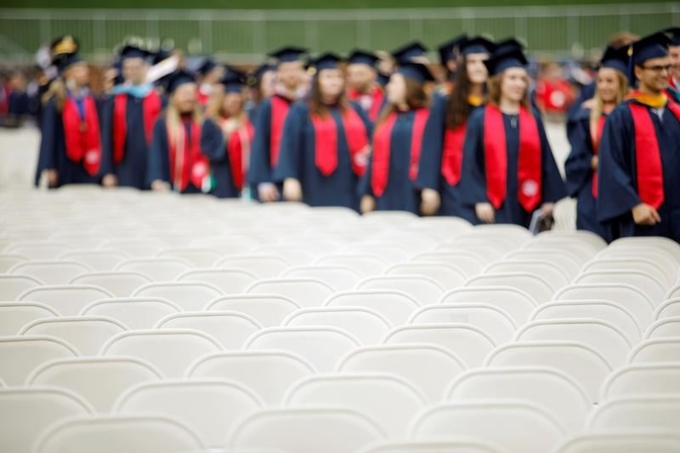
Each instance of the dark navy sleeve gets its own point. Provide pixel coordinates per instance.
(107, 166)
(260, 154)
(47, 159)
(552, 183)
(578, 167)
(473, 178)
(292, 144)
(159, 162)
(212, 143)
(430, 166)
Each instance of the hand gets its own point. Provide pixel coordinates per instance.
(485, 212)
(367, 204)
(292, 190)
(644, 214)
(594, 162)
(110, 180)
(52, 178)
(430, 201)
(160, 186)
(267, 192)
(547, 209)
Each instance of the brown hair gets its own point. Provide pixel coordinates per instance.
(458, 108)
(317, 107)
(416, 97)
(494, 91)
(214, 109)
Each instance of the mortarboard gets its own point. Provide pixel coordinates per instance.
(207, 65)
(233, 81)
(652, 46)
(288, 54)
(409, 51)
(175, 79)
(130, 51)
(64, 45)
(362, 57)
(255, 76)
(478, 44)
(416, 71)
(674, 33)
(500, 61)
(616, 59)
(326, 61)
(509, 44)
(450, 49)
(64, 61)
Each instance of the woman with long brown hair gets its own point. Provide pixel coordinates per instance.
(442, 158)
(183, 142)
(509, 171)
(397, 141)
(325, 143)
(585, 132)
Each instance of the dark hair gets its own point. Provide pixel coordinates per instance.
(317, 107)
(458, 108)
(416, 97)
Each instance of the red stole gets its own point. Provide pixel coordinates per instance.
(4, 100)
(81, 135)
(452, 158)
(280, 108)
(647, 153)
(496, 158)
(151, 108)
(187, 163)
(382, 144)
(596, 136)
(238, 149)
(202, 97)
(377, 96)
(326, 142)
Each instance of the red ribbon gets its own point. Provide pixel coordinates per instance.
(187, 163)
(81, 135)
(151, 109)
(238, 148)
(452, 159)
(326, 142)
(280, 108)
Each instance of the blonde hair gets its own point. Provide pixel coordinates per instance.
(598, 104)
(214, 110)
(173, 117)
(494, 94)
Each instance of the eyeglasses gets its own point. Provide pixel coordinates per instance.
(658, 68)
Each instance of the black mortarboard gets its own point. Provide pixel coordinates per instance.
(416, 71)
(651, 46)
(616, 59)
(509, 44)
(64, 61)
(288, 54)
(450, 49)
(233, 81)
(328, 60)
(477, 44)
(409, 51)
(362, 57)
(500, 61)
(206, 65)
(130, 51)
(175, 79)
(674, 33)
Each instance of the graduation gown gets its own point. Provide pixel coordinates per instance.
(619, 191)
(53, 153)
(401, 192)
(131, 170)
(230, 170)
(580, 175)
(438, 165)
(473, 183)
(269, 122)
(159, 167)
(376, 101)
(298, 159)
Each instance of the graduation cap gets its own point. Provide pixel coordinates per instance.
(288, 54)
(500, 61)
(175, 79)
(674, 33)
(257, 74)
(206, 65)
(509, 44)
(409, 51)
(64, 45)
(449, 49)
(328, 60)
(64, 61)
(130, 51)
(652, 46)
(359, 56)
(478, 44)
(616, 59)
(416, 71)
(233, 81)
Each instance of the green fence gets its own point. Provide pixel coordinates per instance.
(243, 36)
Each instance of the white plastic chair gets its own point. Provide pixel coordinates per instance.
(134, 248)
(115, 434)
(642, 379)
(567, 263)
(366, 264)
(37, 250)
(581, 362)
(493, 321)
(323, 347)
(268, 309)
(647, 242)
(499, 421)
(87, 334)
(15, 315)
(638, 279)
(579, 251)
(190, 296)
(262, 266)
(306, 292)
(627, 296)
(337, 277)
(136, 313)
(551, 273)
(454, 445)
(639, 264)
(53, 272)
(366, 325)
(254, 370)
(209, 408)
(469, 264)
(580, 236)
(230, 281)
(666, 327)
(660, 411)
(12, 285)
(516, 303)
(98, 380)
(157, 269)
(668, 309)
(230, 329)
(201, 258)
(295, 254)
(622, 441)
(305, 431)
(660, 257)
(423, 289)
(479, 249)
(602, 310)
(97, 260)
(390, 253)
(673, 292)
(19, 356)
(395, 306)
(534, 286)
(447, 276)
(656, 350)
(170, 351)
(552, 389)
(67, 300)
(226, 245)
(26, 412)
(9, 261)
(118, 283)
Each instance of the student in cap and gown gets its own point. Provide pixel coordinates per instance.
(325, 144)
(449, 52)
(127, 124)
(509, 170)
(264, 155)
(183, 142)
(389, 183)
(638, 185)
(363, 86)
(673, 90)
(70, 146)
(228, 111)
(441, 161)
(210, 74)
(262, 85)
(584, 131)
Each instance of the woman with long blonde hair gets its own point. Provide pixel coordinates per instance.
(585, 133)
(184, 143)
(509, 171)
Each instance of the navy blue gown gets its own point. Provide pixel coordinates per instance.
(473, 182)
(618, 190)
(297, 160)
